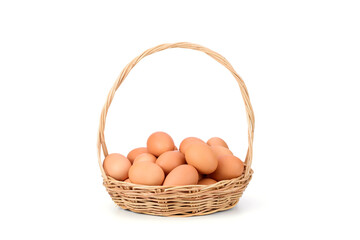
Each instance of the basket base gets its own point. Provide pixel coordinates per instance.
(189, 214)
(182, 201)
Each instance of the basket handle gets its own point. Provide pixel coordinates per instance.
(249, 111)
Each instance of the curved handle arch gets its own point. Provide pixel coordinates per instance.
(249, 111)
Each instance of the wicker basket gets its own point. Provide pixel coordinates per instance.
(188, 200)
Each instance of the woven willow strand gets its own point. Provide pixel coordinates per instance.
(184, 200)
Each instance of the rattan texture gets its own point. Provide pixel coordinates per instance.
(190, 200)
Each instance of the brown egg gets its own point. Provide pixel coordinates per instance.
(201, 157)
(117, 166)
(145, 157)
(175, 148)
(160, 142)
(127, 180)
(206, 181)
(187, 142)
(146, 173)
(215, 141)
(136, 152)
(229, 167)
(170, 160)
(220, 151)
(182, 175)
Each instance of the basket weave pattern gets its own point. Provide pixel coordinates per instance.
(188, 200)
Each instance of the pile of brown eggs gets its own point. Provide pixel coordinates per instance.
(161, 163)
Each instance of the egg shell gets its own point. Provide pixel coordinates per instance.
(117, 166)
(229, 167)
(216, 141)
(187, 142)
(145, 157)
(160, 142)
(136, 152)
(146, 173)
(220, 151)
(170, 160)
(200, 156)
(182, 175)
(127, 180)
(207, 181)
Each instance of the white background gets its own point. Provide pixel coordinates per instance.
(299, 59)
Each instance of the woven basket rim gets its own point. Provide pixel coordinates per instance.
(183, 187)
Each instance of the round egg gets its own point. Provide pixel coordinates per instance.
(220, 151)
(136, 152)
(160, 142)
(206, 181)
(170, 160)
(216, 141)
(182, 175)
(201, 157)
(117, 166)
(229, 167)
(146, 173)
(187, 142)
(145, 157)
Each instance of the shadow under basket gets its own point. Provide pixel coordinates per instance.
(189, 200)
